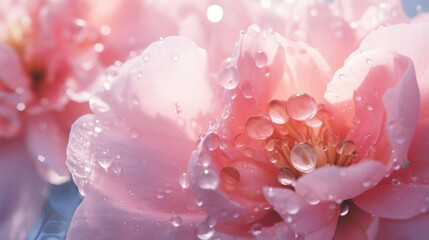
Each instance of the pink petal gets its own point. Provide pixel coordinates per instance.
(405, 193)
(337, 183)
(356, 225)
(356, 93)
(323, 29)
(46, 142)
(414, 228)
(100, 218)
(397, 38)
(111, 159)
(169, 80)
(14, 77)
(22, 191)
(272, 67)
(318, 221)
(223, 205)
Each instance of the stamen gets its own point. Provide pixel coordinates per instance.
(297, 137)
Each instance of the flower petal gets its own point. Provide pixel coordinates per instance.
(99, 218)
(405, 193)
(169, 80)
(337, 183)
(397, 38)
(359, 90)
(414, 228)
(205, 176)
(12, 76)
(46, 142)
(271, 67)
(108, 158)
(357, 225)
(302, 217)
(22, 191)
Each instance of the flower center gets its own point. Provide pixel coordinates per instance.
(298, 138)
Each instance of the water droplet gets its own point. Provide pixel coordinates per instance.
(211, 141)
(259, 127)
(301, 107)
(248, 152)
(184, 181)
(208, 179)
(256, 229)
(178, 108)
(285, 176)
(105, 161)
(342, 76)
(105, 30)
(346, 147)
(277, 111)
(98, 47)
(230, 177)
(270, 144)
(229, 78)
(41, 158)
(343, 209)
(146, 57)
(247, 90)
(241, 140)
(214, 13)
(20, 107)
(260, 59)
(396, 181)
(76, 31)
(116, 168)
(303, 157)
(176, 220)
(368, 61)
(204, 231)
(369, 107)
(175, 57)
(292, 206)
(322, 145)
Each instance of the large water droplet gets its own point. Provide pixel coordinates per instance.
(204, 231)
(211, 142)
(176, 220)
(230, 177)
(260, 59)
(184, 181)
(346, 147)
(301, 107)
(208, 179)
(303, 157)
(229, 78)
(277, 111)
(259, 127)
(285, 176)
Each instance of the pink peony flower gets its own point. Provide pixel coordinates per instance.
(296, 152)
